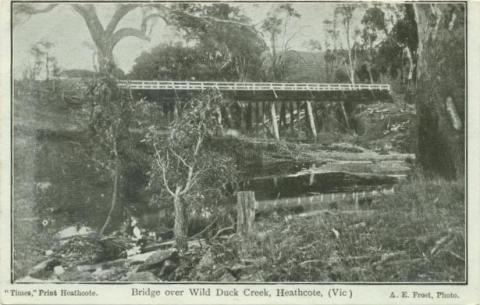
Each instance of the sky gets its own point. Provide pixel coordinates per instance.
(67, 30)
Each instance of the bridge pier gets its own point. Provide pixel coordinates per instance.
(264, 115)
(311, 120)
(257, 114)
(249, 116)
(283, 114)
(345, 115)
(292, 116)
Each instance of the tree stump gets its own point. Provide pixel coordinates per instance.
(245, 212)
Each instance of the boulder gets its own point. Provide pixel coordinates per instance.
(144, 276)
(76, 276)
(227, 277)
(157, 259)
(72, 231)
(112, 274)
(58, 270)
(44, 269)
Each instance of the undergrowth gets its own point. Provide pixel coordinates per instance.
(415, 235)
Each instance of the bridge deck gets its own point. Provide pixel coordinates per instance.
(248, 86)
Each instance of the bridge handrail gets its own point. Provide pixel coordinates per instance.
(254, 86)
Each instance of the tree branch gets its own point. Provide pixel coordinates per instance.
(125, 32)
(180, 158)
(207, 20)
(120, 12)
(163, 166)
(31, 9)
(89, 15)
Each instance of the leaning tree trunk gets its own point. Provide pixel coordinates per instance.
(440, 94)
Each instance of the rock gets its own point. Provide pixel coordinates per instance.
(227, 277)
(157, 259)
(167, 269)
(144, 276)
(72, 231)
(133, 251)
(207, 261)
(58, 270)
(139, 258)
(104, 265)
(112, 274)
(44, 269)
(160, 255)
(29, 279)
(76, 276)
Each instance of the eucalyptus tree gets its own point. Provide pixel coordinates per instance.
(276, 26)
(107, 38)
(440, 87)
(345, 13)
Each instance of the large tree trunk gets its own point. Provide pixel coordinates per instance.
(440, 94)
(106, 39)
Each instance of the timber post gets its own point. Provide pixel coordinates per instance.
(311, 120)
(299, 116)
(249, 116)
(345, 115)
(245, 212)
(274, 121)
(257, 113)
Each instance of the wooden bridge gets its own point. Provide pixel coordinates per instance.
(263, 91)
(255, 102)
(247, 86)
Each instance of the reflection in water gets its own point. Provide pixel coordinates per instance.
(315, 183)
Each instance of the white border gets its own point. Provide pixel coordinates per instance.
(362, 294)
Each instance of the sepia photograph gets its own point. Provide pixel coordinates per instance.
(239, 143)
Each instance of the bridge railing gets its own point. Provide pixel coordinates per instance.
(246, 86)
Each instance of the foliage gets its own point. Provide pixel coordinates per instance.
(43, 61)
(226, 44)
(109, 132)
(175, 62)
(188, 172)
(276, 25)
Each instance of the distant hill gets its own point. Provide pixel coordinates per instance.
(306, 66)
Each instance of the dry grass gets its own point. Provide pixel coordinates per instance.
(416, 235)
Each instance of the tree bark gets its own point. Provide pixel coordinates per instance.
(106, 39)
(180, 228)
(114, 195)
(440, 93)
